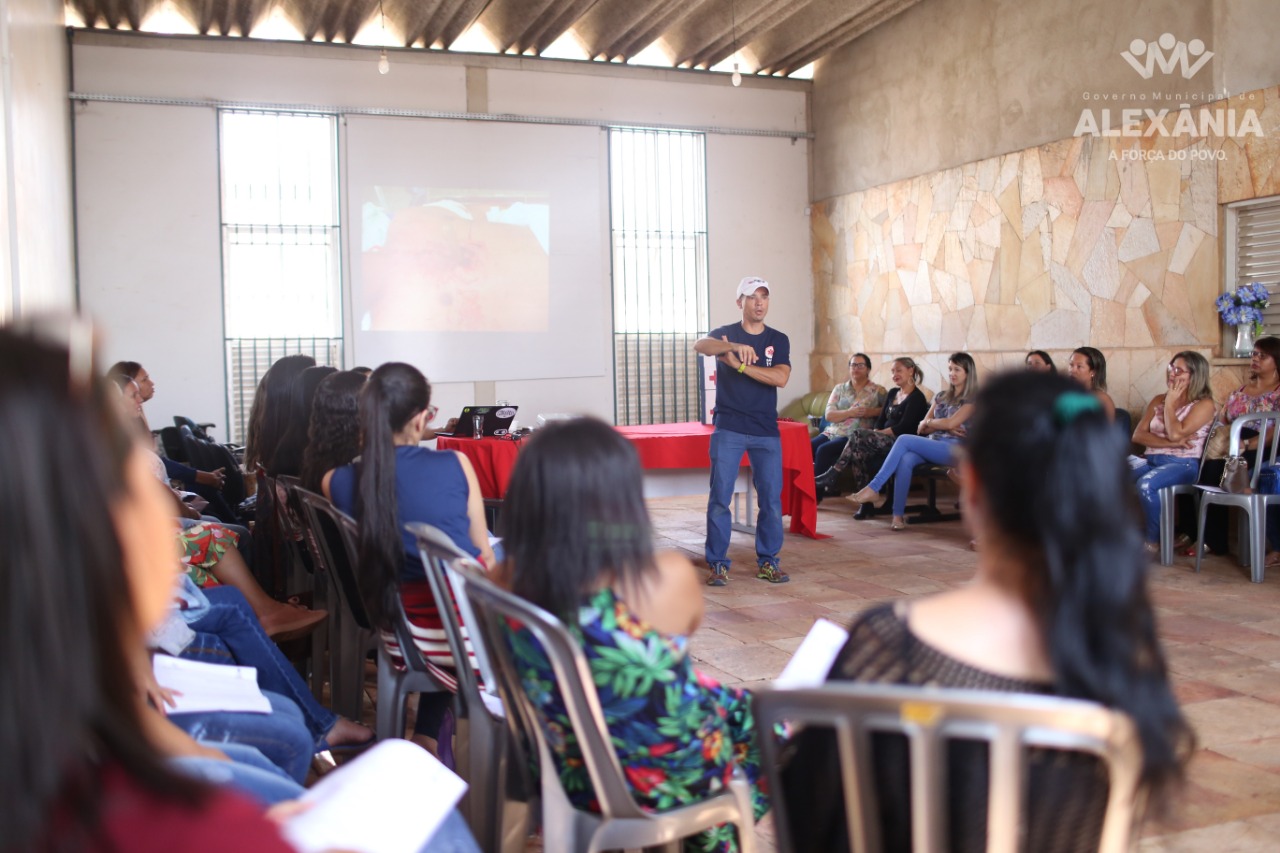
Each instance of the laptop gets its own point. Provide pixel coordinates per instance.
(495, 421)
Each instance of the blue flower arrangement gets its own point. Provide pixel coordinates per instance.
(1244, 305)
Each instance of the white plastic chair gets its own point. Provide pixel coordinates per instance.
(621, 824)
(496, 805)
(1253, 538)
(1010, 722)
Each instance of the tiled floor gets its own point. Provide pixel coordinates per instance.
(1221, 635)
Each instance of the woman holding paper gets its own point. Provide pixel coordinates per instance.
(86, 568)
(579, 544)
(1058, 606)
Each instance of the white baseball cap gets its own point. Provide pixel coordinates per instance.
(749, 285)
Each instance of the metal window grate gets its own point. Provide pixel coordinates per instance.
(249, 358)
(658, 206)
(281, 246)
(1257, 253)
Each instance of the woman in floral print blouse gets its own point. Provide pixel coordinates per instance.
(579, 544)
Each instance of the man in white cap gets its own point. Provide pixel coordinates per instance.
(754, 362)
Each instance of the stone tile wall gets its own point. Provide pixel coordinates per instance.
(1107, 241)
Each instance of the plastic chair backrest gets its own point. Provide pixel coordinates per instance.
(198, 430)
(336, 537)
(1263, 423)
(929, 717)
(491, 608)
(439, 554)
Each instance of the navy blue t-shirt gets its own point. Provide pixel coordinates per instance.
(743, 404)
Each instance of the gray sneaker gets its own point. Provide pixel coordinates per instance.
(719, 575)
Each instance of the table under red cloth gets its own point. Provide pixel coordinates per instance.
(665, 446)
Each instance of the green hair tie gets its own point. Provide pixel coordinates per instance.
(1072, 405)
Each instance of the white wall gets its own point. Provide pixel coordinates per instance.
(756, 186)
(36, 269)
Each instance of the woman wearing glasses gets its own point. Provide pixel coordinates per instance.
(1173, 430)
(394, 482)
(854, 404)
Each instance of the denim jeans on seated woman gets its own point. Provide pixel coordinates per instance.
(229, 633)
(280, 736)
(1159, 471)
(908, 452)
(248, 771)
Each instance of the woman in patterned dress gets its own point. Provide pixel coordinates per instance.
(579, 544)
(853, 405)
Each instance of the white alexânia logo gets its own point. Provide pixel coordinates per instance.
(1167, 54)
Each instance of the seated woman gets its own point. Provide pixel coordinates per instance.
(903, 409)
(1260, 393)
(1173, 429)
(853, 405)
(1088, 366)
(396, 482)
(333, 436)
(1058, 606)
(80, 771)
(209, 550)
(942, 428)
(579, 544)
(1040, 361)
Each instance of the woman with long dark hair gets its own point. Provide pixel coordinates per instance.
(293, 444)
(1058, 606)
(941, 429)
(269, 414)
(86, 569)
(1173, 430)
(865, 452)
(1040, 361)
(333, 438)
(579, 544)
(395, 482)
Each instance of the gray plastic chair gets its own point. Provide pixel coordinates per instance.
(1009, 722)
(1253, 529)
(621, 824)
(497, 801)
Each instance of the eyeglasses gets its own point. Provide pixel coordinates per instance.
(1176, 371)
(1258, 354)
(859, 364)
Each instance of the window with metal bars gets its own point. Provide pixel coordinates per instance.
(1253, 252)
(658, 225)
(281, 252)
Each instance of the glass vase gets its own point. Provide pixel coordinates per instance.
(1244, 340)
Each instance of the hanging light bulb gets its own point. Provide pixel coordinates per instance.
(384, 64)
(737, 75)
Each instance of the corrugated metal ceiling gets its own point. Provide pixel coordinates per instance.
(772, 36)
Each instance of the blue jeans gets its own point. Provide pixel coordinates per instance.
(247, 771)
(1159, 471)
(908, 452)
(826, 450)
(280, 736)
(765, 455)
(230, 633)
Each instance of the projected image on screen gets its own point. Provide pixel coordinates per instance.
(458, 260)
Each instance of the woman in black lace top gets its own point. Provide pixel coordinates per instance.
(1058, 606)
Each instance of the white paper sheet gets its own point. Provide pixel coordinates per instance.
(209, 686)
(810, 664)
(389, 800)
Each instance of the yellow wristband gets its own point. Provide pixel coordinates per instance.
(742, 368)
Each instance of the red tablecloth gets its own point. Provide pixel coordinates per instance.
(665, 446)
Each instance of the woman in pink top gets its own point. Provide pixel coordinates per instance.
(1173, 429)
